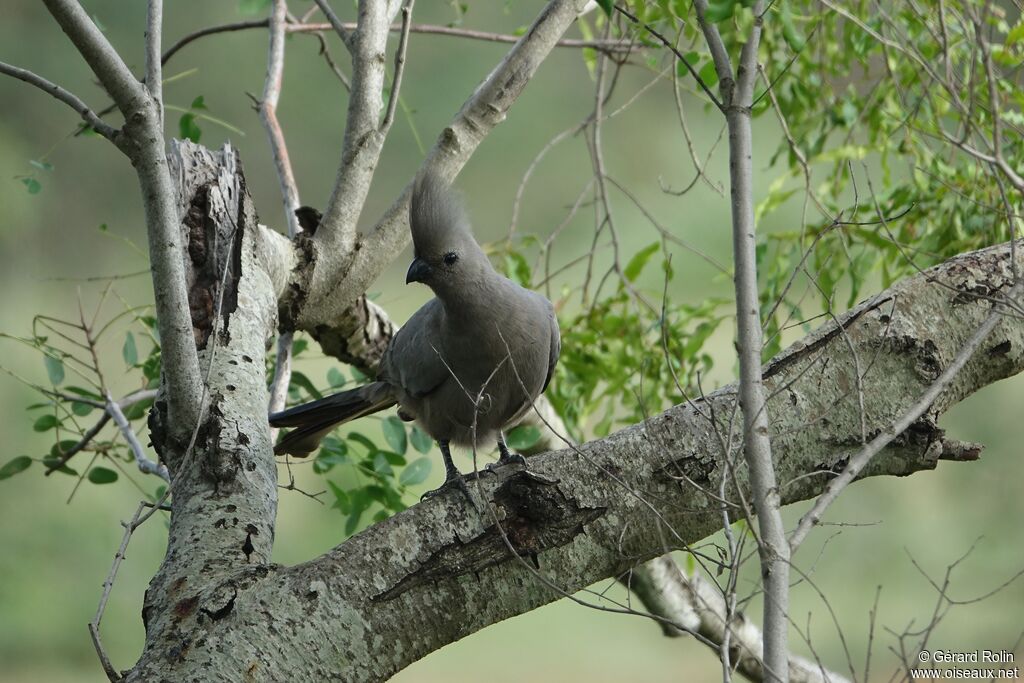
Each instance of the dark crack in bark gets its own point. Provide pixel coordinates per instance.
(535, 516)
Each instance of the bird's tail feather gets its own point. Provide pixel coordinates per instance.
(314, 420)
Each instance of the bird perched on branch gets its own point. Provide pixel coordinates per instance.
(469, 363)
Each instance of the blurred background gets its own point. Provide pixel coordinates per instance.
(57, 543)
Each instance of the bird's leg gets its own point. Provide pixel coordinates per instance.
(507, 456)
(452, 477)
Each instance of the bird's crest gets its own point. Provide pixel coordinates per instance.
(436, 217)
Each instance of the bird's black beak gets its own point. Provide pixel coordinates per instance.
(419, 271)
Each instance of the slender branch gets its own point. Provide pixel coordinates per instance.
(108, 585)
(211, 31)
(91, 433)
(396, 83)
(289, 191)
(142, 140)
(154, 75)
(623, 46)
(113, 73)
(679, 55)
(344, 32)
(737, 96)
(268, 115)
(146, 466)
(68, 98)
(362, 141)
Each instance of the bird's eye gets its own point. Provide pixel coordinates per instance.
(450, 258)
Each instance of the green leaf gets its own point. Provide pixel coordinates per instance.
(32, 185)
(198, 103)
(394, 434)
(639, 260)
(329, 457)
(607, 6)
(12, 467)
(523, 437)
(188, 129)
(45, 422)
(420, 440)
(370, 446)
(129, 352)
(381, 465)
(393, 458)
(720, 10)
(415, 472)
(341, 499)
(253, 6)
(80, 409)
(52, 460)
(298, 346)
(335, 378)
(102, 475)
(708, 74)
(54, 369)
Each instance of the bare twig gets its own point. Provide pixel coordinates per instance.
(396, 83)
(344, 32)
(146, 466)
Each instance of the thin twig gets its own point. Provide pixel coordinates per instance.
(146, 466)
(65, 96)
(396, 83)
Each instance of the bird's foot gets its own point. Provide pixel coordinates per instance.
(507, 458)
(454, 480)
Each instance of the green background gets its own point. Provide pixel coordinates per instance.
(54, 555)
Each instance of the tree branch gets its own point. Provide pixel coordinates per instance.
(143, 141)
(337, 281)
(154, 63)
(68, 98)
(434, 573)
(692, 600)
(363, 140)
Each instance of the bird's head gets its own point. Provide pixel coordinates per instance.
(445, 254)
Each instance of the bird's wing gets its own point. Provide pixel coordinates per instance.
(555, 349)
(412, 360)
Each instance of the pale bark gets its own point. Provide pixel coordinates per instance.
(142, 140)
(692, 601)
(218, 610)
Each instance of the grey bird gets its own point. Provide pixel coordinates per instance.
(468, 364)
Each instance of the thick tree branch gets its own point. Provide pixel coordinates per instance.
(433, 574)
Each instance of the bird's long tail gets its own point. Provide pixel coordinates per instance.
(314, 420)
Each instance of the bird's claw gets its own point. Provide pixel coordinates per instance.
(454, 481)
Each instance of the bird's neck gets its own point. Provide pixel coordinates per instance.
(474, 297)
